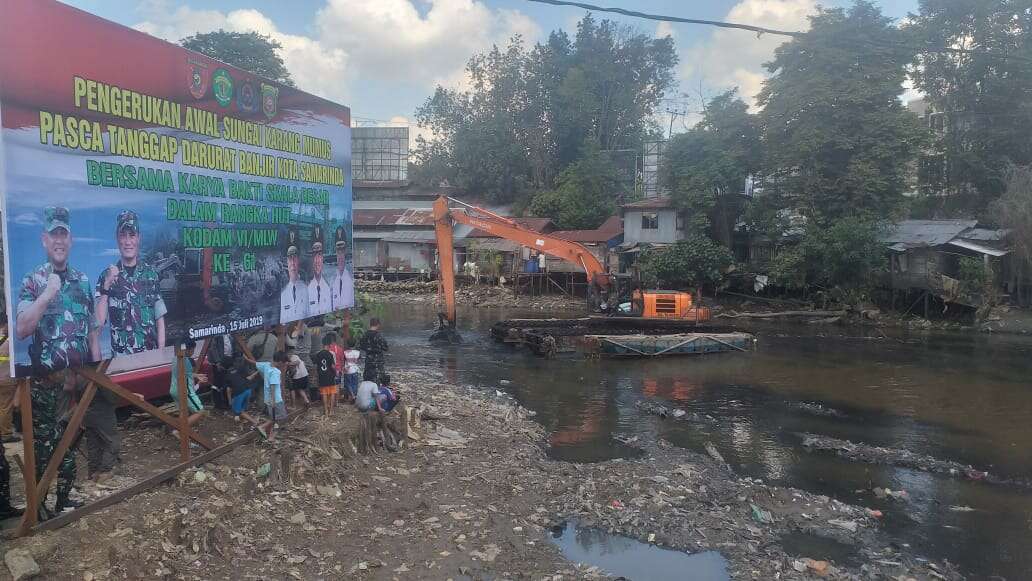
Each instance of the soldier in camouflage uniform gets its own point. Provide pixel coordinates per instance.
(128, 293)
(375, 349)
(55, 309)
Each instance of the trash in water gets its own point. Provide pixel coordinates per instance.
(630, 558)
(808, 545)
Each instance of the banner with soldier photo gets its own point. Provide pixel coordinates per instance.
(152, 194)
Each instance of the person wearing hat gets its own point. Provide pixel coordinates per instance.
(127, 293)
(319, 301)
(294, 297)
(343, 288)
(54, 308)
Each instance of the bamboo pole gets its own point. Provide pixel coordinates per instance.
(184, 408)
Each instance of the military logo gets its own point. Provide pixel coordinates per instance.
(222, 87)
(247, 98)
(198, 79)
(270, 95)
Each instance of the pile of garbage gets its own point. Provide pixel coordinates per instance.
(488, 296)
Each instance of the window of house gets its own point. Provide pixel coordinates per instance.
(650, 221)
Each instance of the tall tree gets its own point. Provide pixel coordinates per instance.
(706, 168)
(248, 50)
(983, 97)
(587, 193)
(837, 138)
(531, 113)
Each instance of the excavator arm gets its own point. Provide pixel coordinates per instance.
(445, 218)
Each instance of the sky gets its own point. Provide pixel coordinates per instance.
(383, 58)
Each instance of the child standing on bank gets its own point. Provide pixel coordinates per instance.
(326, 373)
(298, 377)
(350, 380)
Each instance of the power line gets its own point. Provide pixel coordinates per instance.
(762, 30)
(636, 14)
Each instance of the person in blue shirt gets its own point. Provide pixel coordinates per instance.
(193, 402)
(272, 385)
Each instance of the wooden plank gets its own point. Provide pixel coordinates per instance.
(31, 516)
(151, 482)
(69, 434)
(107, 383)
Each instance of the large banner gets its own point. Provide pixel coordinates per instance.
(152, 194)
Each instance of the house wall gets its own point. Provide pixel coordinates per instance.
(366, 253)
(408, 256)
(666, 233)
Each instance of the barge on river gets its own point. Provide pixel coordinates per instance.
(664, 345)
(619, 336)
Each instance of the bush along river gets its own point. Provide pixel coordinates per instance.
(932, 430)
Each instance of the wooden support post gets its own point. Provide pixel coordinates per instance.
(184, 406)
(31, 516)
(204, 353)
(69, 434)
(108, 384)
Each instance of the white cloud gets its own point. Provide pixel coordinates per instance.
(358, 41)
(314, 67)
(730, 58)
(664, 29)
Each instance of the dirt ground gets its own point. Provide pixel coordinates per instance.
(475, 497)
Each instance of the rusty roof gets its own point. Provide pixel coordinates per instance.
(656, 203)
(394, 217)
(609, 229)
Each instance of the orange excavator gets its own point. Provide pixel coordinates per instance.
(669, 305)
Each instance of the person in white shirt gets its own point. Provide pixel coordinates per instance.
(319, 301)
(298, 377)
(349, 379)
(365, 399)
(343, 286)
(294, 298)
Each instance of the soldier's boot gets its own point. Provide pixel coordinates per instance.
(6, 509)
(64, 503)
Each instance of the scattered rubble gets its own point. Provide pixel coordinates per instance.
(475, 496)
(902, 458)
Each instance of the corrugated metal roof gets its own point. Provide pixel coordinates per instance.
(609, 229)
(979, 248)
(984, 234)
(394, 217)
(925, 233)
(651, 203)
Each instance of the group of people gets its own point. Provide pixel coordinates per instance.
(263, 375)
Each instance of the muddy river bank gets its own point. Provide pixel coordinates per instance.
(953, 397)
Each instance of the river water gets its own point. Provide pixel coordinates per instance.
(959, 397)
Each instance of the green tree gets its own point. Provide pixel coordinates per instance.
(837, 138)
(846, 255)
(531, 113)
(1013, 211)
(706, 167)
(983, 99)
(587, 193)
(249, 51)
(690, 263)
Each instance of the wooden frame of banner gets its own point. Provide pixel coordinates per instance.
(34, 490)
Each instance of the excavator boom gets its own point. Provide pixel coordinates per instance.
(445, 217)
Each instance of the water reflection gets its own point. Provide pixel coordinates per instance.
(958, 397)
(622, 556)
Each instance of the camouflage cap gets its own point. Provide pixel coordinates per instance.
(340, 238)
(127, 219)
(55, 217)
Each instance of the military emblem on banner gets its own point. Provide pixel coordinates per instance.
(247, 98)
(270, 95)
(222, 87)
(198, 79)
